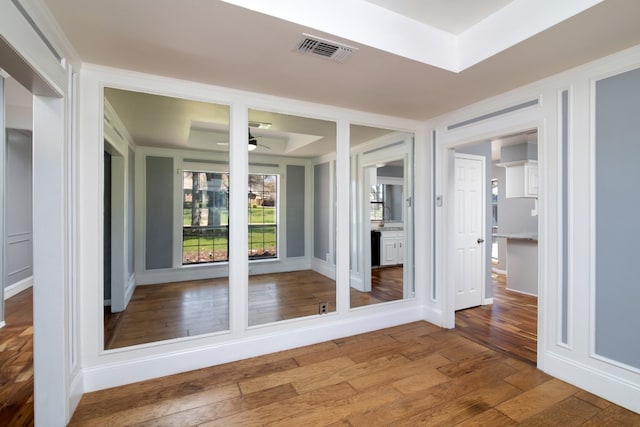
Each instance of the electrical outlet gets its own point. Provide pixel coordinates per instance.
(323, 307)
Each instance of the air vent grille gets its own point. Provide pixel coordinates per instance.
(312, 45)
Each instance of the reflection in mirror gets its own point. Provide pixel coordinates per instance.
(291, 189)
(381, 215)
(182, 218)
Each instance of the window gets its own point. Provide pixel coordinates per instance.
(205, 229)
(263, 215)
(205, 204)
(376, 199)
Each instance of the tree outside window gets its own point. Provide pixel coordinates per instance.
(205, 231)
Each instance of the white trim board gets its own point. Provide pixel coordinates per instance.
(18, 287)
(593, 380)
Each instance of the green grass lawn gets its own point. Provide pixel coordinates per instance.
(213, 246)
(258, 215)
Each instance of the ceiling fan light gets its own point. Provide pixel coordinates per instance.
(252, 145)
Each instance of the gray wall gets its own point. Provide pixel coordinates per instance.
(484, 149)
(393, 202)
(131, 199)
(321, 210)
(523, 151)
(19, 207)
(106, 230)
(159, 212)
(393, 197)
(617, 318)
(295, 184)
(514, 214)
(391, 171)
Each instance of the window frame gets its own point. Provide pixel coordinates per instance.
(180, 200)
(215, 166)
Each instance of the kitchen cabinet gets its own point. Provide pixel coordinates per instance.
(391, 247)
(521, 178)
(522, 262)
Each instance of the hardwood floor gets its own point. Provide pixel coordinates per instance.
(282, 296)
(386, 285)
(510, 324)
(181, 309)
(170, 310)
(414, 374)
(16, 361)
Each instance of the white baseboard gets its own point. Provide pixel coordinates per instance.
(131, 287)
(324, 268)
(487, 301)
(617, 390)
(357, 283)
(75, 392)
(433, 315)
(144, 368)
(521, 292)
(498, 271)
(2, 324)
(18, 287)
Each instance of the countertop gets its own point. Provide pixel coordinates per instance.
(518, 236)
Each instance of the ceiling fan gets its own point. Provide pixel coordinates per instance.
(252, 144)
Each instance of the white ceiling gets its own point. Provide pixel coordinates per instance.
(452, 16)
(160, 121)
(220, 43)
(416, 59)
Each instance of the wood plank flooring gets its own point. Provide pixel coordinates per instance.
(386, 285)
(16, 361)
(181, 309)
(414, 374)
(510, 324)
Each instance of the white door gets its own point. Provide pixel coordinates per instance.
(469, 220)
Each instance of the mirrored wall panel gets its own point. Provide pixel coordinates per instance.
(166, 211)
(290, 202)
(381, 215)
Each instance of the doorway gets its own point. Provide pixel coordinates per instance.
(503, 314)
(16, 334)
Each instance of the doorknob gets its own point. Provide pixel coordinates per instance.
(480, 240)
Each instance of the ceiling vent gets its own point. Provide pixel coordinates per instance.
(312, 45)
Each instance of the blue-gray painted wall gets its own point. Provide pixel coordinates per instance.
(19, 243)
(617, 179)
(295, 185)
(131, 214)
(159, 212)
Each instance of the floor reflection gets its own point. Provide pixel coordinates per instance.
(386, 285)
(181, 309)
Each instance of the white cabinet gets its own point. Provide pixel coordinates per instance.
(521, 178)
(391, 247)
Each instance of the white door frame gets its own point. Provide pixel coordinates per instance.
(54, 350)
(444, 158)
